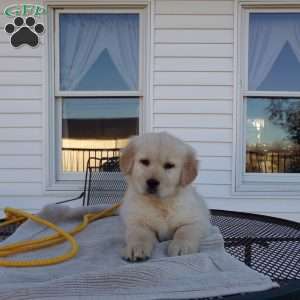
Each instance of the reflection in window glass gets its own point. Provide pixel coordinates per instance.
(99, 52)
(96, 128)
(274, 52)
(273, 135)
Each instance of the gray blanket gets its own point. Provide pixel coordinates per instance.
(98, 272)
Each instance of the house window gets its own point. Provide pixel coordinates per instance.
(271, 96)
(98, 86)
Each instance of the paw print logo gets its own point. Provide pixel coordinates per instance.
(24, 32)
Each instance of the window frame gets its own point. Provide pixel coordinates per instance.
(56, 179)
(253, 183)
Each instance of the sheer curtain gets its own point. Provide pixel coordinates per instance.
(84, 37)
(269, 33)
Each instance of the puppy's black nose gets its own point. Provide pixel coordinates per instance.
(152, 184)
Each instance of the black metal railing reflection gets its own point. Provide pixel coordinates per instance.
(263, 161)
(273, 161)
(75, 159)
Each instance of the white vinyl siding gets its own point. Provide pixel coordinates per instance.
(199, 8)
(20, 106)
(193, 64)
(11, 175)
(21, 121)
(193, 84)
(23, 133)
(193, 21)
(192, 78)
(21, 148)
(192, 106)
(194, 36)
(21, 189)
(19, 63)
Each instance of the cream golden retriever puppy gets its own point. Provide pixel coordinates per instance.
(160, 203)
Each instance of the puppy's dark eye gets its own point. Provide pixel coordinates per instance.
(145, 162)
(168, 166)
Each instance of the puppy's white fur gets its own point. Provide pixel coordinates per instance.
(174, 211)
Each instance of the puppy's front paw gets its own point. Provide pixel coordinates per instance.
(181, 247)
(136, 252)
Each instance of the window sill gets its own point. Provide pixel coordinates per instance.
(272, 185)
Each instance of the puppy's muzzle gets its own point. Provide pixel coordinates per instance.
(152, 185)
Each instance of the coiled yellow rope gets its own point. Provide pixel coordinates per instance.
(19, 216)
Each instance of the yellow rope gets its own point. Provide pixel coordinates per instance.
(19, 216)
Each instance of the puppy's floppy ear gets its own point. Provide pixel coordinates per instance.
(190, 168)
(127, 157)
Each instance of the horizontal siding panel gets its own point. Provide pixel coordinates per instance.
(199, 135)
(194, 36)
(213, 177)
(193, 50)
(4, 37)
(193, 64)
(24, 92)
(193, 106)
(211, 191)
(194, 7)
(20, 148)
(20, 120)
(20, 189)
(20, 78)
(19, 175)
(20, 106)
(20, 134)
(193, 78)
(193, 92)
(186, 120)
(3, 19)
(214, 190)
(215, 163)
(212, 149)
(194, 21)
(20, 162)
(20, 64)
(6, 49)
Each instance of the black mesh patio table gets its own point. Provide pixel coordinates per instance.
(268, 245)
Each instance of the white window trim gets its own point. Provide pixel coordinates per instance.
(256, 183)
(54, 180)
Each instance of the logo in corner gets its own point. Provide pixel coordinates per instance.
(24, 29)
